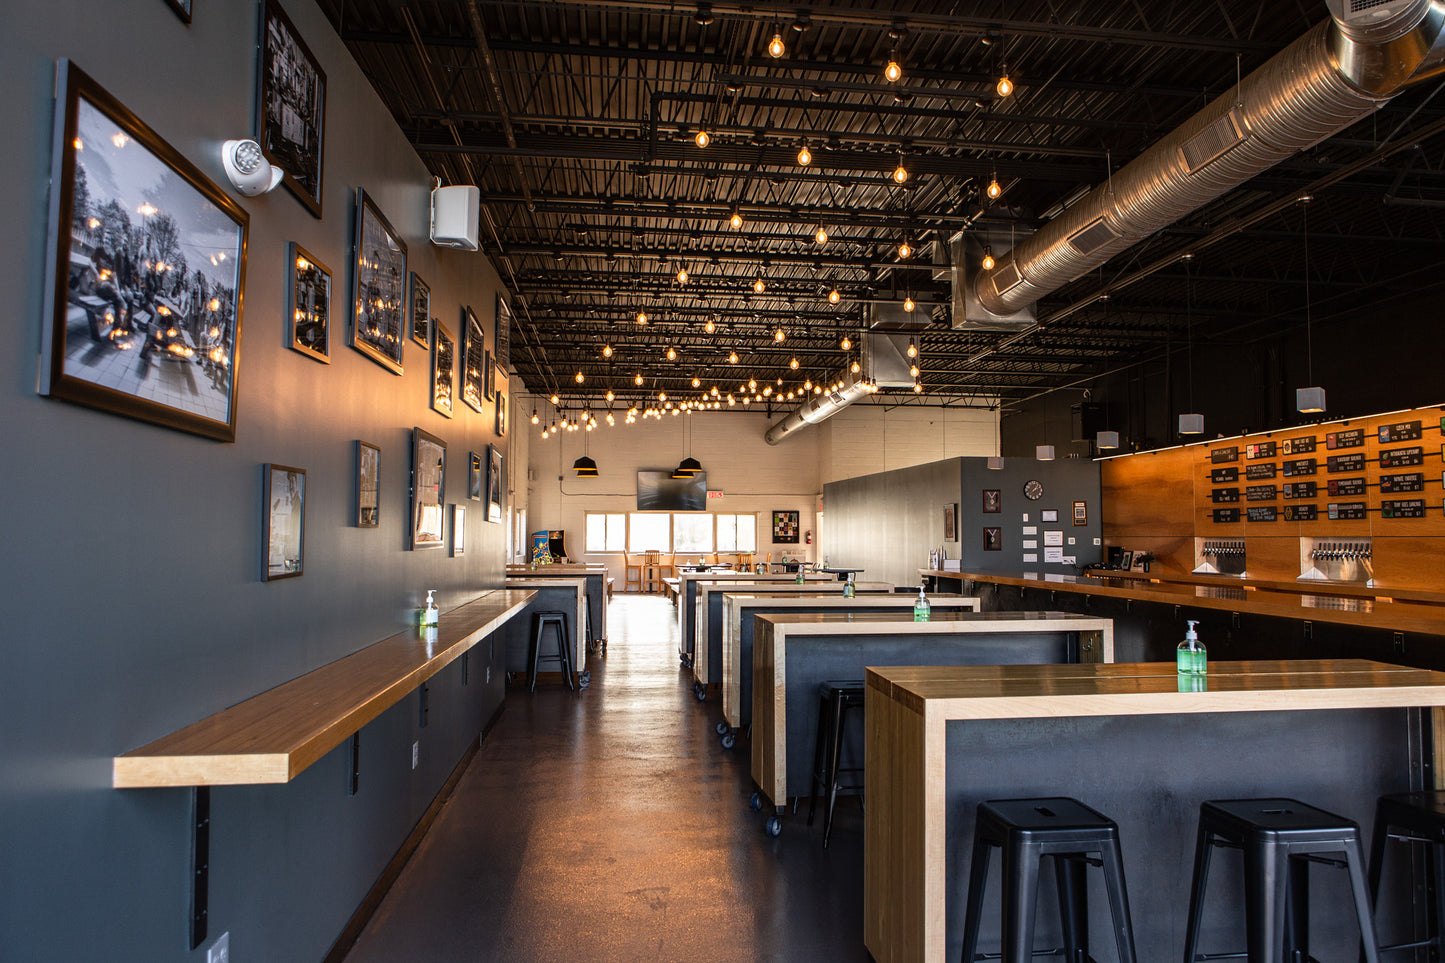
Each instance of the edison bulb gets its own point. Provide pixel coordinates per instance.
(905, 250)
(900, 173)
(917, 387)
(642, 317)
(908, 304)
(779, 335)
(736, 220)
(579, 377)
(846, 343)
(637, 380)
(697, 382)
(1005, 86)
(834, 297)
(535, 419)
(759, 286)
(854, 367)
(607, 351)
(822, 236)
(775, 46)
(913, 370)
(988, 261)
(912, 349)
(610, 396)
(682, 275)
(892, 72)
(671, 354)
(805, 156)
(702, 139)
(793, 363)
(554, 399)
(709, 327)
(732, 357)
(994, 189)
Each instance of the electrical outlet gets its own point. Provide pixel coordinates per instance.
(220, 951)
(415, 753)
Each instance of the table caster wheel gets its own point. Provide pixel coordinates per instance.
(584, 680)
(702, 693)
(755, 802)
(720, 728)
(774, 826)
(694, 688)
(729, 740)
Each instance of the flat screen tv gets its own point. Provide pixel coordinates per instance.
(658, 491)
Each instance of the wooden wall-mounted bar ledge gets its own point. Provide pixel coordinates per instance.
(272, 737)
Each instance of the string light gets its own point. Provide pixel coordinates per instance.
(822, 236)
(834, 297)
(912, 348)
(736, 220)
(905, 250)
(607, 351)
(578, 377)
(702, 139)
(846, 343)
(535, 419)
(682, 275)
(805, 156)
(554, 399)
(710, 327)
(775, 46)
(759, 287)
(697, 382)
(1004, 86)
(732, 359)
(671, 354)
(892, 71)
(988, 261)
(642, 317)
(638, 380)
(792, 363)
(900, 173)
(994, 189)
(779, 335)
(908, 304)
(610, 396)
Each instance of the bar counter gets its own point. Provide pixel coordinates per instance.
(1124, 739)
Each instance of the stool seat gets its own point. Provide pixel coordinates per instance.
(1049, 818)
(1276, 817)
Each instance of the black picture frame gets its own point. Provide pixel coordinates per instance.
(993, 539)
(368, 485)
(428, 490)
(501, 425)
(474, 349)
(1081, 513)
(182, 9)
(378, 286)
(283, 537)
(419, 299)
(495, 487)
(950, 522)
(143, 318)
(476, 474)
(992, 501)
(291, 106)
(459, 530)
(1048, 514)
(489, 377)
(309, 305)
(785, 528)
(443, 371)
(502, 335)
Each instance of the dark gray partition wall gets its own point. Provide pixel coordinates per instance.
(132, 602)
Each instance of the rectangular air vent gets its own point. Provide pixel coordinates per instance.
(1007, 278)
(1357, 5)
(1089, 239)
(1213, 141)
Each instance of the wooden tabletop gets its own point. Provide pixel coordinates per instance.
(831, 622)
(1296, 587)
(272, 737)
(1152, 688)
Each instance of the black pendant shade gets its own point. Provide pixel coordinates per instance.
(688, 467)
(585, 467)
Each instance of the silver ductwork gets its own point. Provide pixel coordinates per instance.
(1336, 74)
(818, 408)
(885, 364)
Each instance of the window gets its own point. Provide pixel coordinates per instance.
(737, 533)
(606, 532)
(692, 533)
(649, 531)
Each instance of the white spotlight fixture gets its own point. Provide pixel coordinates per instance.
(248, 169)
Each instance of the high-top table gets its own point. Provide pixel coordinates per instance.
(595, 574)
(687, 600)
(1127, 741)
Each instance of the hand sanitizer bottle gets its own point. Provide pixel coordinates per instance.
(849, 589)
(922, 611)
(1190, 654)
(430, 615)
(799, 579)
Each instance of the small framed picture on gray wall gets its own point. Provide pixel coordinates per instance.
(950, 522)
(368, 485)
(993, 539)
(310, 314)
(285, 500)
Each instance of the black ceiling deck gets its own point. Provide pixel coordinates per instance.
(577, 120)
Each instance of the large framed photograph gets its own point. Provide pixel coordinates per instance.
(182, 9)
(285, 535)
(502, 338)
(310, 305)
(443, 371)
(459, 530)
(428, 489)
(474, 350)
(291, 103)
(368, 485)
(378, 286)
(145, 267)
(475, 472)
(420, 311)
(785, 528)
(494, 484)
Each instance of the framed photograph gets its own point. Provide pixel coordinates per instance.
(421, 319)
(428, 489)
(474, 350)
(310, 307)
(182, 9)
(489, 377)
(285, 535)
(443, 371)
(502, 337)
(292, 106)
(368, 485)
(494, 484)
(1049, 515)
(992, 501)
(475, 473)
(459, 530)
(785, 528)
(145, 267)
(501, 414)
(950, 523)
(993, 539)
(1081, 513)
(378, 287)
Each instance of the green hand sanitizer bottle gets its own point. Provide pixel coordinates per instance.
(1190, 654)
(849, 589)
(922, 611)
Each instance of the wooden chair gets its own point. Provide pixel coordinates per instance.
(632, 572)
(745, 560)
(712, 559)
(652, 571)
(667, 566)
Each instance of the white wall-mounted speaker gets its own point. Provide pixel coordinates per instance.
(456, 216)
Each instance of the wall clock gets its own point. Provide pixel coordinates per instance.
(1033, 489)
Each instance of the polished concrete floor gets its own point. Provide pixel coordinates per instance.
(610, 825)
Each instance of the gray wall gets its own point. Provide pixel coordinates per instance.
(887, 523)
(132, 603)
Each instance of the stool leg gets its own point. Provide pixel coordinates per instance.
(1297, 911)
(564, 650)
(1435, 856)
(1355, 861)
(836, 755)
(977, 877)
(1113, 859)
(537, 627)
(1265, 885)
(819, 748)
(1377, 852)
(1202, 847)
(1073, 905)
(1020, 901)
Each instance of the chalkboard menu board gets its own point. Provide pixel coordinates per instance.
(1261, 493)
(1404, 431)
(1299, 490)
(1221, 476)
(1298, 446)
(1220, 456)
(1402, 483)
(1300, 466)
(1347, 510)
(1263, 513)
(1402, 508)
(1354, 438)
(1301, 513)
(1402, 457)
(1256, 472)
(1340, 463)
(1346, 486)
(1226, 515)
(1223, 496)
(1263, 449)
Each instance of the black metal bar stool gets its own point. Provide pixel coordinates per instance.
(1027, 830)
(1280, 838)
(1413, 817)
(835, 701)
(540, 621)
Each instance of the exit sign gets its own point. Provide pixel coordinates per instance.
(713, 494)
